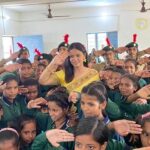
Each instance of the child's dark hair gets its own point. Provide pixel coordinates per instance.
(69, 70)
(31, 82)
(9, 77)
(9, 134)
(62, 44)
(60, 97)
(19, 122)
(108, 68)
(96, 89)
(118, 70)
(134, 79)
(93, 126)
(23, 61)
(133, 61)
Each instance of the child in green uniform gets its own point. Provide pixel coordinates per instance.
(90, 134)
(13, 105)
(45, 58)
(40, 68)
(43, 88)
(95, 136)
(23, 52)
(32, 86)
(112, 82)
(9, 139)
(127, 87)
(142, 140)
(26, 71)
(58, 106)
(94, 103)
(27, 129)
(131, 67)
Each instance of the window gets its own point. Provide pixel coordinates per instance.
(7, 42)
(98, 40)
(31, 42)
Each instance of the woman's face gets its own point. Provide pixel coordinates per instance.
(126, 87)
(76, 57)
(145, 136)
(86, 142)
(56, 112)
(11, 90)
(130, 67)
(28, 133)
(91, 106)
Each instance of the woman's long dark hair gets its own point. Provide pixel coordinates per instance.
(69, 70)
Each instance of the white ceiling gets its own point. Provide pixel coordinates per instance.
(40, 5)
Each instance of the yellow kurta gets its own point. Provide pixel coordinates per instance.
(77, 84)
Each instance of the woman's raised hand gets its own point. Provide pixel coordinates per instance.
(56, 136)
(60, 58)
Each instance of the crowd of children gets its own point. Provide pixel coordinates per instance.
(66, 100)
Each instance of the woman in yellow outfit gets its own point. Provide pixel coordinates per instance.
(75, 74)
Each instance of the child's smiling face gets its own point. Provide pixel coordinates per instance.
(126, 87)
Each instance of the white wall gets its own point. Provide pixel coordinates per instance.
(9, 26)
(82, 21)
(118, 18)
(77, 26)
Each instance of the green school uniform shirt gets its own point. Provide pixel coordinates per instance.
(142, 82)
(41, 143)
(45, 123)
(112, 110)
(12, 110)
(116, 145)
(130, 110)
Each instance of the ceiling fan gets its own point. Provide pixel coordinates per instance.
(143, 8)
(50, 15)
